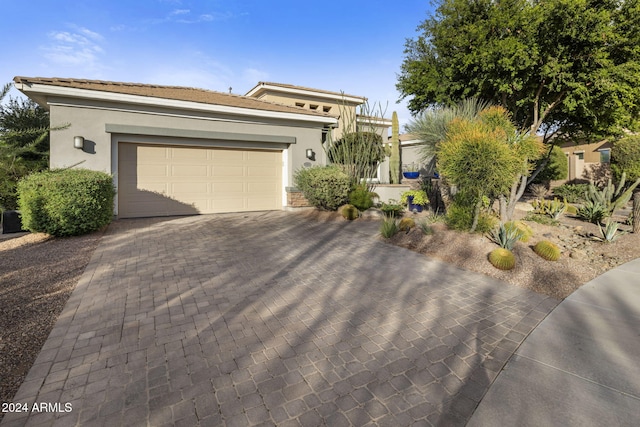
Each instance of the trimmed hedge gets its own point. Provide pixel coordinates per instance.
(66, 202)
(325, 187)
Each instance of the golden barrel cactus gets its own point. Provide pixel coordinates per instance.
(547, 250)
(502, 259)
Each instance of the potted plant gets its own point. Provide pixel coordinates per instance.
(411, 170)
(415, 199)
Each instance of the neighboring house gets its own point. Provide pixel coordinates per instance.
(588, 161)
(177, 150)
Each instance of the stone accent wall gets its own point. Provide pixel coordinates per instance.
(296, 199)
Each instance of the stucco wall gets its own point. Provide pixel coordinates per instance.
(90, 120)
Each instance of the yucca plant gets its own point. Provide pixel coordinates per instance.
(388, 227)
(425, 227)
(506, 235)
(609, 233)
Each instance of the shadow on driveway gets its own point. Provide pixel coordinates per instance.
(270, 319)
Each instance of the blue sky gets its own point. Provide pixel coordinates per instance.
(351, 46)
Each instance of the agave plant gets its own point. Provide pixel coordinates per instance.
(609, 233)
(506, 236)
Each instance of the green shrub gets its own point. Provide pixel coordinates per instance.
(419, 197)
(572, 193)
(625, 157)
(349, 212)
(325, 187)
(459, 217)
(361, 198)
(547, 250)
(541, 219)
(388, 227)
(556, 168)
(553, 208)
(66, 202)
(592, 211)
(392, 208)
(502, 259)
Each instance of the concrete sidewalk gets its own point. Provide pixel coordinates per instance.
(580, 366)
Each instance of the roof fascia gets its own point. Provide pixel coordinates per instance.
(304, 92)
(47, 90)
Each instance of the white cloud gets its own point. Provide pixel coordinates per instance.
(79, 47)
(180, 12)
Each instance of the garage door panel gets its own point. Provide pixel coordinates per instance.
(261, 171)
(151, 153)
(234, 156)
(174, 180)
(191, 171)
(227, 171)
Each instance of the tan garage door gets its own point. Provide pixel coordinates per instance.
(156, 180)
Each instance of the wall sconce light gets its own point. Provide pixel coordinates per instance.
(310, 154)
(78, 142)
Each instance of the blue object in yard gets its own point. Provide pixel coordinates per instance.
(411, 175)
(412, 207)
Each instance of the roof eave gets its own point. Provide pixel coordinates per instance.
(264, 87)
(39, 93)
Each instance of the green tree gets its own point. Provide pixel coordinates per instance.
(561, 67)
(24, 143)
(486, 157)
(625, 158)
(556, 168)
(360, 149)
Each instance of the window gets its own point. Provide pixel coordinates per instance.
(605, 155)
(313, 107)
(300, 104)
(326, 109)
(579, 154)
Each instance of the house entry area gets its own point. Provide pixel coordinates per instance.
(166, 180)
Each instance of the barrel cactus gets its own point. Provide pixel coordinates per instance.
(525, 231)
(349, 212)
(406, 224)
(502, 259)
(547, 250)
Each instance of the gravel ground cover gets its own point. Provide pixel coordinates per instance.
(37, 275)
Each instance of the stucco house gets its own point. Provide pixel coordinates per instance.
(588, 161)
(178, 150)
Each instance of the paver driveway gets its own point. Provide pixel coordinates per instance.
(269, 319)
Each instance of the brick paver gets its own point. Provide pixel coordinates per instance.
(269, 319)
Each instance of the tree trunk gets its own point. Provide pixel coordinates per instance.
(636, 212)
(476, 214)
(508, 207)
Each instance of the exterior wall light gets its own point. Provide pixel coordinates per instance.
(310, 154)
(78, 142)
